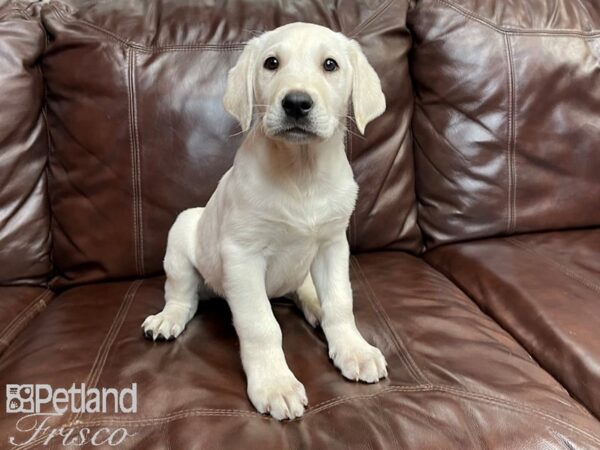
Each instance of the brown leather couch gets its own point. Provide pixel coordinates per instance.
(476, 238)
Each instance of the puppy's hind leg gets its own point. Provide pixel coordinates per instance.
(307, 300)
(183, 280)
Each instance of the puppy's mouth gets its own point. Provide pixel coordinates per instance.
(296, 134)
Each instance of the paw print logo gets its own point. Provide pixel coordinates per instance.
(19, 398)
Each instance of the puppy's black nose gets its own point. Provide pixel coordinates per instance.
(297, 104)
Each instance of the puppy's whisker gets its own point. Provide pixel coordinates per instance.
(353, 133)
(236, 134)
(348, 117)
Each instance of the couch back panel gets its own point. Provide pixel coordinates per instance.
(24, 214)
(507, 116)
(139, 133)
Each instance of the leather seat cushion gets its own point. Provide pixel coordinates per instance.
(544, 288)
(457, 380)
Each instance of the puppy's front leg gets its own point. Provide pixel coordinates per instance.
(272, 387)
(355, 357)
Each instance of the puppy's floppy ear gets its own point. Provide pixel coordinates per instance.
(239, 92)
(368, 100)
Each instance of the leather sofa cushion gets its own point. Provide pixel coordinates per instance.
(545, 290)
(457, 380)
(18, 306)
(139, 132)
(24, 215)
(506, 118)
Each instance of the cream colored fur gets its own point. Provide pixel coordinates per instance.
(277, 221)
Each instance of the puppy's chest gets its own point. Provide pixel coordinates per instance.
(314, 214)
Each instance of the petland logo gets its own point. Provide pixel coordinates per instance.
(40, 402)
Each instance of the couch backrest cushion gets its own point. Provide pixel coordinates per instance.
(139, 133)
(24, 214)
(507, 116)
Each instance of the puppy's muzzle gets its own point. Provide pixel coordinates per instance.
(297, 105)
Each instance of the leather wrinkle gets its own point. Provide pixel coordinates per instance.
(369, 20)
(439, 135)
(380, 189)
(432, 163)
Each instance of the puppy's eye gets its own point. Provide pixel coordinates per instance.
(271, 63)
(330, 65)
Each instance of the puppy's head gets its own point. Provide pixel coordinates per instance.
(298, 80)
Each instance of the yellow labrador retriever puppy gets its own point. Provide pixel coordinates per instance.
(277, 222)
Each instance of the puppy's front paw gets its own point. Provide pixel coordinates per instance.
(166, 325)
(359, 361)
(282, 396)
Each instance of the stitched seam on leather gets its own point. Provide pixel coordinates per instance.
(112, 333)
(558, 265)
(192, 48)
(46, 174)
(396, 342)
(401, 349)
(515, 178)
(143, 48)
(17, 318)
(390, 429)
(518, 31)
(104, 349)
(164, 432)
(12, 334)
(31, 312)
(237, 412)
(199, 46)
(369, 20)
(39, 298)
(38, 303)
(138, 158)
(468, 395)
(135, 163)
(510, 138)
(131, 150)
